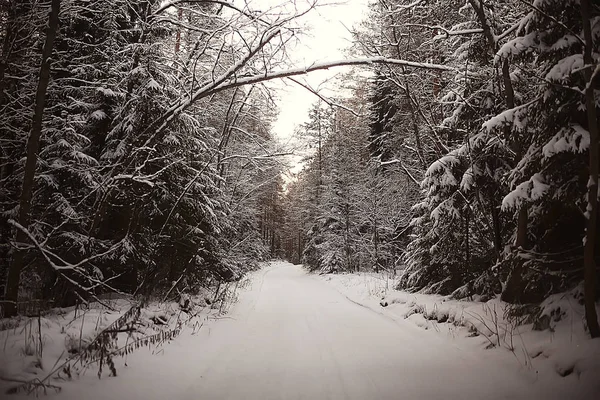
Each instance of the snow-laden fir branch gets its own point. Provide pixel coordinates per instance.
(507, 116)
(553, 19)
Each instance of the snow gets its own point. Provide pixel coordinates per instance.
(565, 42)
(83, 158)
(98, 115)
(153, 85)
(299, 336)
(563, 69)
(513, 116)
(467, 181)
(440, 171)
(517, 46)
(531, 190)
(30, 353)
(106, 92)
(445, 208)
(541, 357)
(573, 138)
(134, 178)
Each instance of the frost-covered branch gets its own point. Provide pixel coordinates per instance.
(61, 269)
(328, 101)
(406, 171)
(230, 80)
(260, 157)
(448, 32)
(208, 87)
(222, 3)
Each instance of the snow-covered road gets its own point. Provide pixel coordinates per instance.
(293, 336)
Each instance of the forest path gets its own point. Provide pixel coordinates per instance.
(293, 336)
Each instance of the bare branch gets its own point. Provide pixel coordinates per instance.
(406, 171)
(447, 32)
(222, 3)
(328, 101)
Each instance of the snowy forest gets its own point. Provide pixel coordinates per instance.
(475, 179)
(460, 154)
(135, 159)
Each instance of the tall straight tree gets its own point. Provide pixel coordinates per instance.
(33, 143)
(592, 68)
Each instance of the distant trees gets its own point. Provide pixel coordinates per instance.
(493, 159)
(342, 208)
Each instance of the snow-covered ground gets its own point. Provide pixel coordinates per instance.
(63, 347)
(553, 350)
(293, 335)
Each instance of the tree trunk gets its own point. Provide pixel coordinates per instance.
(592, 208)
(272, 240)
(320, 156)
(487, 30)
(521, 240)
(467, 244)
(376, 239)
(496, 222)
(14, 31)
(178, 35)
(415, 123)
(513, 287)
(509, 94)
(347, 237)
(514, 283)
(413, 112)
(14, 272)
(300, 249)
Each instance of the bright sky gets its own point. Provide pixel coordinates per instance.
(326, 40)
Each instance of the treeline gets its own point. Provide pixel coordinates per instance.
(143, 173)
(478, 177)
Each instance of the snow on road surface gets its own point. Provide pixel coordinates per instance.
(293, 336)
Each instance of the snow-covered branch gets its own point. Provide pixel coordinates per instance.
(208, 87)
(448, 32)
(328, 101)
(77, 267)
(173, 3)
(230, 80)
(403, 167)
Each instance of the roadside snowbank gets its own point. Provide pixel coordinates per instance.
(42, 354)
(558, 347)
